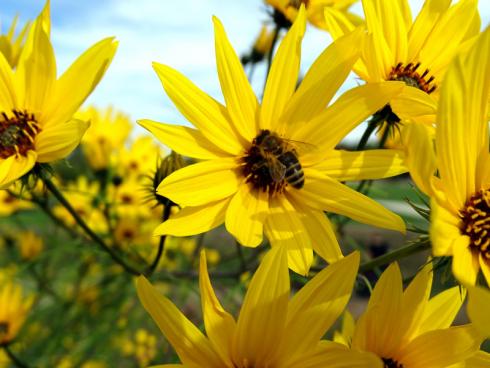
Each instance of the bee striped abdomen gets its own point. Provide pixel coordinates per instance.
(294, 172)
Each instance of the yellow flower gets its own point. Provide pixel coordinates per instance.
(30, 245)
(263, 43)
(10, 204)
(13, 311)
(271, 331)
(107, 133)
(36, 108)
(460, 216)
(140, 159)
(274, 166)
(11, 45)
(314, 10)
(478, 302)
(416, 52)
(409, 329)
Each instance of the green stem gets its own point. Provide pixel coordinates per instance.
(366, 135)
(161, 246)
(17, 362)
(90, 233)
(395, 255)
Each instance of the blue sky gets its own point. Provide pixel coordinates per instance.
(176, 33)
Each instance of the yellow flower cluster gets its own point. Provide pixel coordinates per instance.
(269, 172)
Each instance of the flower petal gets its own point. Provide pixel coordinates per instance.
(58, 141)
(441, 348)
(327, 129)
(241, 102)
(192, 347)
(8, 98)
(327, 74)
(283, 76)
(373, 164)
(444, 229)
(477, 309)
(14, 167)
(465, 263)
(186, 141)
(346, 201)
(246, 214)
(79, 80)
(263, 315)
(414, 104)
(194, 220)
(205, 113)
(481, 359)
(284, 228)
(220, 325)
(201, 183)
(314, 309)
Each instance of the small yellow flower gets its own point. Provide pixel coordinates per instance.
(314, 10)
(273, 167)
(415, 51)
(460, 203)
(30, 245)
(13, 311)
(140, 159)
(263, 43)
(36, 107)
(409, 329)
(10, 204)
(108, 131)
(271, 331)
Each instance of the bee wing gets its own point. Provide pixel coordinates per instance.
(301, 147)
(277, 169)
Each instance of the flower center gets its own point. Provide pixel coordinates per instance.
(475, 221)
(4, 330)
(390, 363)
(271, 164)
(297, 3)
(17, 133)
(408, 74)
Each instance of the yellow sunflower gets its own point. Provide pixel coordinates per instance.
(411, 329)
(460, 216)
(36, 108)
(416, 52)
(13, 311)
(273, 167)
(271, 331)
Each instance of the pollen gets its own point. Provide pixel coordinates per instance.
(17, 133)
(410, 75)
(390, 363)
(475, 222)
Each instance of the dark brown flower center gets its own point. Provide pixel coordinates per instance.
(475, 221)
(271, 163)
(409, 74)
(297, 3)
(390, 363)
(17, 133)
(4, 330)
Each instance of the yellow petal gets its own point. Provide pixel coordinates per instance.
(314, 309)
(320, 229)
(378, 329)
(479, 360)
(327, 74)
(420, 155)
(263, 314)
(246, 215)
(7, 90)
(322, 192)
(284, 228)
(192, 347)
(13, 167)
(283, 76)
(429, 15)
(327, 129)
(58, 141)
(444, 229)
(372, 164)
(186, 141)
(201, 183)
(442, 309)
(79, 80)
(465, 263)
(477, 309)
(462, 128)
(332, 355)
(194, 220)
(414, 104)
(205, 113)
(241, 102)
(441, 348)
(220, 325)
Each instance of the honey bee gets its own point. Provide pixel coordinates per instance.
(279, 158)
